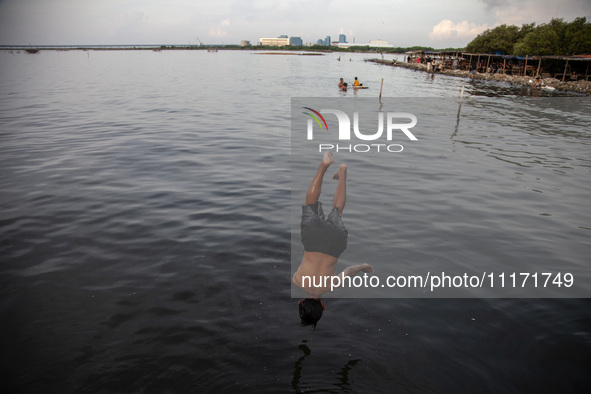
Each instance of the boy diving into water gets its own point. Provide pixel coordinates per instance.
(324, 240)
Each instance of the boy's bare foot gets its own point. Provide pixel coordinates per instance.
(341, 172)
(328, 159)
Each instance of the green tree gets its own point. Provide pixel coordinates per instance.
(557, 38)
(546, 39)
(500, 39)
(577, 37)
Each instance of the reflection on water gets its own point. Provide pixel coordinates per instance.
(341, 378)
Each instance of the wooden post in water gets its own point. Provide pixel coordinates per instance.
(458, 116)
(381, 85)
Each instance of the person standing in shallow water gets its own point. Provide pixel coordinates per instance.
(324, 240)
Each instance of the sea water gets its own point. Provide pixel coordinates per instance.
(146, 229)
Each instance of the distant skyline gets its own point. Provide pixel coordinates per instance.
(433, 23)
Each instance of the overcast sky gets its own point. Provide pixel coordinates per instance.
(436, 23)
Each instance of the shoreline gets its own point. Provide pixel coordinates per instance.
(581, 87)
(291, 53)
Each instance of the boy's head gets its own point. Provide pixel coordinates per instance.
(311, 311)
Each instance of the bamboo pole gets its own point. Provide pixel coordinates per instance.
(381, 86)
(539, 65)
(458, 116)
(487, 63)
(564, 73)
(525, 66)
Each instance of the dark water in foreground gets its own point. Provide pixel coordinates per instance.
(145, 236)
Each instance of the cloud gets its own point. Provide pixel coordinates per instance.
(518, 12)
(446, 30)
(490, 4)
(219, 30)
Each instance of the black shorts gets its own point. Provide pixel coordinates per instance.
(328, 236)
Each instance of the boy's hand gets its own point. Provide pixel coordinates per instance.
(367, 268)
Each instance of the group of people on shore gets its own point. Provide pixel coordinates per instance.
(434, 65)
(343, 85)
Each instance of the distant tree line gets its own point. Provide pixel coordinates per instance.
(555, 38)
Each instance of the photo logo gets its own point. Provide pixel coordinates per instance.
(316, 119)
(393, 123)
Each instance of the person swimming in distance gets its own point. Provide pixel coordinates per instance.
(324, 241)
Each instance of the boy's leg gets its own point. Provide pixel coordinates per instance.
(315, 188)
(340, 195)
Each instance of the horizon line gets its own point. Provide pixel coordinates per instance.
(195, 45)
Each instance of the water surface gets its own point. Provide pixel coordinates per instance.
(145, 227)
